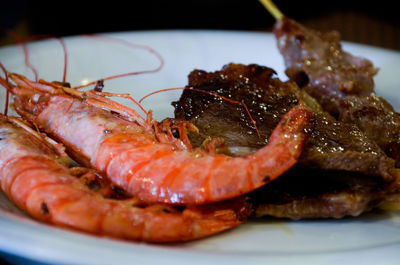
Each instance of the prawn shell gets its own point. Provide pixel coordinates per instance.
(33, 179)
(136, 157)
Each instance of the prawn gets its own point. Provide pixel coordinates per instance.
(35, 176)
(142, 156)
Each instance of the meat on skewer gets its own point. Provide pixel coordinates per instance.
(341, 82)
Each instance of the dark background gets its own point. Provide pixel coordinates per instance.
(368, 22)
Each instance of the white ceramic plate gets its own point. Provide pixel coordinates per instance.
(369, 239)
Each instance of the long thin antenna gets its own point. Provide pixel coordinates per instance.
(272, 8)
(209, 93)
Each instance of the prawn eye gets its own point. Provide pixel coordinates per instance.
(44, 209)
(99, 85)
(175, 133)
(64, 84)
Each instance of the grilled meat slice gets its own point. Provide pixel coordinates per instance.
(340, 172)
(342, 83)
(377, 119)
(217, 117)
(332, 145)
(316, 61)
(312, 193)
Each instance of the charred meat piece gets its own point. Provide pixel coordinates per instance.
(332, 145)
(313, 193)
(377, 119)
(335, 145)
(342, 148)
(317, 63)
(217, 117)
(342, 83)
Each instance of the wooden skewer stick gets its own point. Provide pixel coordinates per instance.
(272, 8)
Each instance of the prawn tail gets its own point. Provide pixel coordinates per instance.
(293, 130)
(285, 146)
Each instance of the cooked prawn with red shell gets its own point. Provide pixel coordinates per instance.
(145, 160)
(35, 176)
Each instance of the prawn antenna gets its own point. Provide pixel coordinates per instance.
(23, 42)
(6, 85)
(120, 95)
(40, 37)
(208, 93)
(272, 9)
(131, 45)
